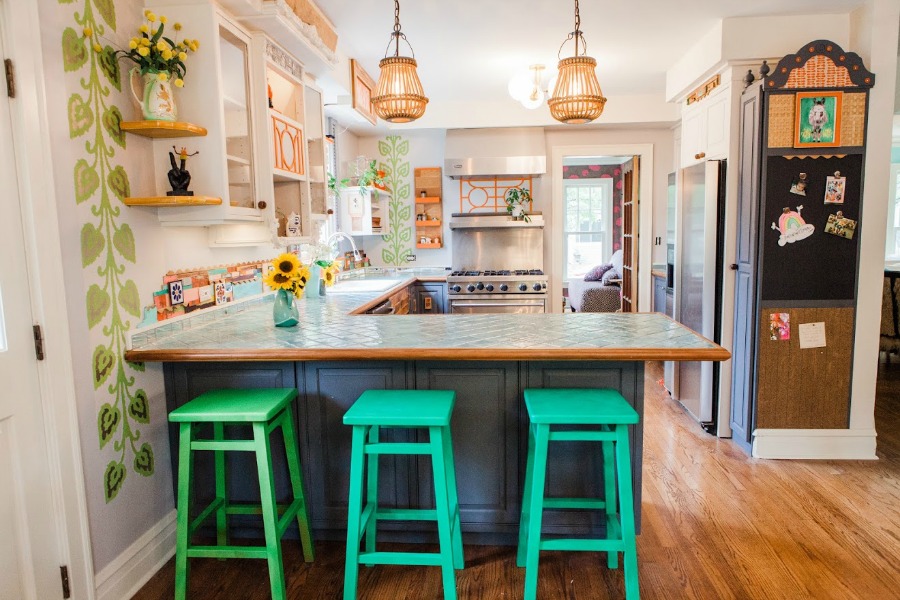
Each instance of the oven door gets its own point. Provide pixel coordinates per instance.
(469, 305)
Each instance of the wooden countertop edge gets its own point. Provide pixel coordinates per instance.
(303, 354)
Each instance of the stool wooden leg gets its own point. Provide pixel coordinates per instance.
(626, 513)
(372, 491)
(526, 500)
(183, 528)
(297, 487)
(269, 510)
(442, 507)
(536, 508)
(354, 512)
(609, 498)
(221, 515)
(458, 558)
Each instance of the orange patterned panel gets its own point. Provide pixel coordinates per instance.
(288, 141)
(488, 194)
(819, 72)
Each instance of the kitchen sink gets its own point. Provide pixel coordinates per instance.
(362, 286)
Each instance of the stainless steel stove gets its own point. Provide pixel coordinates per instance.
(497, 265)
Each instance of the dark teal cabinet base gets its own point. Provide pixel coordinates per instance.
(489, 439)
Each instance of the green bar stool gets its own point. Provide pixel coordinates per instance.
(612, 414)
(425, 409)
(264, 410)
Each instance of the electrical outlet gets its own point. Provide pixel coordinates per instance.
(410, 258)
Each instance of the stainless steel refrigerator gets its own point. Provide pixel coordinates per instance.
(700, 223)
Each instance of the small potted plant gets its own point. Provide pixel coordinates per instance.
(518, 200)
(373, 177)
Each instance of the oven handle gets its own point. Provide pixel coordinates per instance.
(498, 303)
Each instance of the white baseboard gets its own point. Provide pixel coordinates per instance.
(824, 444)
(125, 575)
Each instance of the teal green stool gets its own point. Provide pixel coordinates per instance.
(264, 410)
(425, 409)
(612, 415)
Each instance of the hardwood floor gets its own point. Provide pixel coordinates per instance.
(716, 524)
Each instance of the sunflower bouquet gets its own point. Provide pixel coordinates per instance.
(322, 255)
(288, 274)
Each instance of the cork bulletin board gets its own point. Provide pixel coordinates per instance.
(805, 388)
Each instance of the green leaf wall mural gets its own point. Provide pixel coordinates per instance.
(107, 243)
(399, 237)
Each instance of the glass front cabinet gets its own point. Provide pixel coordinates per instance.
(264, 152)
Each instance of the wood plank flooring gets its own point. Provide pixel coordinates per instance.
(717, 525)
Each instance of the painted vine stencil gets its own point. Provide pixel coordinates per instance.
(394, 148)
(107, 243)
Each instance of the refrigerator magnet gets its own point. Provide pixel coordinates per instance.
(792, 226)
(840, 226)
(798, 186)
(834, 188)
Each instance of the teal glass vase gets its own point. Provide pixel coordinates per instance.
(285, 312)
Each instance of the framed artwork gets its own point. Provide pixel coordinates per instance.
(363, 88)
(817, 119)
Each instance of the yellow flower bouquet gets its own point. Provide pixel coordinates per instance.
(156, 53)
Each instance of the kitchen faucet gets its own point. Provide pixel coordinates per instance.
(340, 234)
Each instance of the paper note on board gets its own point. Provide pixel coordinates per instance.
(812, 335)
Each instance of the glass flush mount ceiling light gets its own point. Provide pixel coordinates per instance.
(526, 87)
(399, 96)
(577, 97)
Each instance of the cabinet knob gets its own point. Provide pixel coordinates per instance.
(261, 205)
(700, 155)
(733, 267)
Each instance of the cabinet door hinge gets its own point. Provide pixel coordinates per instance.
(38, 342)
(10, 78)
(64, 575)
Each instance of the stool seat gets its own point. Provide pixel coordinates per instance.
(575, 406)
(402, 408)
(234, 406)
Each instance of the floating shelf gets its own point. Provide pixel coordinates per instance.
(162, 129)
(421, 245)
(237, 160)
(169, 201)
(427, 200)
(429, 223)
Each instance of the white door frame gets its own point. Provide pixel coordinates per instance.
(33, 149)
(645, 214)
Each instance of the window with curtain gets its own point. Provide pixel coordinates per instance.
(892, 246)
(587, 233)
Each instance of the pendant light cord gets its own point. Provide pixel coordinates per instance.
(575, 35)
(397, 34)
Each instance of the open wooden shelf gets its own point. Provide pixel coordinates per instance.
(163, 129)
(429, 223)
(169, 201)
(427, 200)
(421, 245)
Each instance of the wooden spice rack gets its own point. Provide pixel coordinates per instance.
(429, 191)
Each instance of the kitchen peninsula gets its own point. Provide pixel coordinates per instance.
(334, 355)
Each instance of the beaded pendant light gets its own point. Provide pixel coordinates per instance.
(399, 97)
(577, 97)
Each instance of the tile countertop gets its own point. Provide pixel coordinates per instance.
(329, 330)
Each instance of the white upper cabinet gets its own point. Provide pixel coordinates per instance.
(704, 128)
(363, 210)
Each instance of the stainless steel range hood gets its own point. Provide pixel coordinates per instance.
(487, 152)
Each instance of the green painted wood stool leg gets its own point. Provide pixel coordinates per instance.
(221, 514)
(626, 512)
(526, 501)
(536, 508)
(183, 528)
(609, 499)
(297, 487)
(442, 507)
(354, 512)
(372, 492)
(458, 558)
(269, 510)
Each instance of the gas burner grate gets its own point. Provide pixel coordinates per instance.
(520, 272)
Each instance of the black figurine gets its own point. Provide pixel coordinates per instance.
(179, 177)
